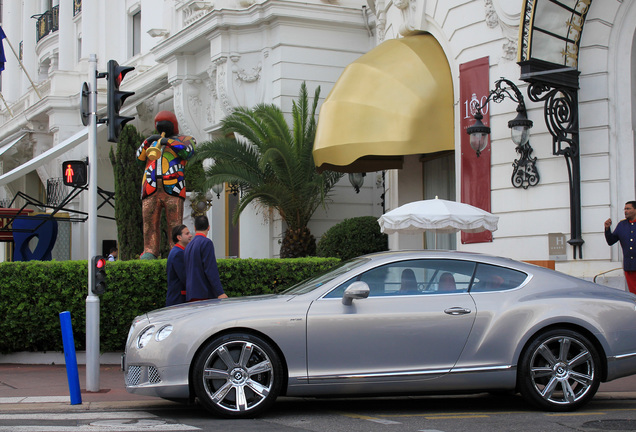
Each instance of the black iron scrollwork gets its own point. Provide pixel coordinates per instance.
(562, 119)
(525, 172)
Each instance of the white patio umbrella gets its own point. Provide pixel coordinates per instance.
(440, 216)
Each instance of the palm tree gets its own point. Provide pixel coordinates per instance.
(274, 166)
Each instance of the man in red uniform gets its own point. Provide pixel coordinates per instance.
(625, 233)
(165, 157)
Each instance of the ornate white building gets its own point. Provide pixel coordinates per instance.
(201, 58)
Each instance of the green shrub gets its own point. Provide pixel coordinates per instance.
(353, 237)
(32, 295)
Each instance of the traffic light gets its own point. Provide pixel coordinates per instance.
(99, 275)
(75, 173)
(116, 98)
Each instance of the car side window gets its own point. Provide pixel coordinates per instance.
(414, 277)
(493, 278)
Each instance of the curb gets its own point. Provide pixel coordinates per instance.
(56, 358)
(160, 404)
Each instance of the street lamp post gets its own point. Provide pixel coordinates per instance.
(525, 172)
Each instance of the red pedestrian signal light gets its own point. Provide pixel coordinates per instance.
(99, 275)
(75, 173)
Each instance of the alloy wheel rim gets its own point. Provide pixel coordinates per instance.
(238, 376)
(562, 370)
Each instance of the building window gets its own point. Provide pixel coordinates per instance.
(136, 33)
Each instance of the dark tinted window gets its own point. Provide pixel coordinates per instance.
(494, 278)
(414, 277)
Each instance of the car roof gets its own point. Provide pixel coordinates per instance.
(453, 254)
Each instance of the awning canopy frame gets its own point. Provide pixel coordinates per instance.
(396, 100)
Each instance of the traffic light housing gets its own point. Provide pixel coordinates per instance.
(75, 173)
(99, 275)
(116, 98)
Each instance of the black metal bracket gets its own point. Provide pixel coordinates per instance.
(559, 93)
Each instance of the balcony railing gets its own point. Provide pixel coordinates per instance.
(48, 22)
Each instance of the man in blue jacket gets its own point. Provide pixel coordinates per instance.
(175, 266)
(625, 233)
(202, 273)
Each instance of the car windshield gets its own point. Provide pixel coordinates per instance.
(320, 279)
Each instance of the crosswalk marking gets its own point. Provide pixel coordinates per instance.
(141, 427)
(34, 399)
(79, 416)
(125, 421)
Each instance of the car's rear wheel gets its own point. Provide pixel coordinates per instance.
(237, 376)
(559, 371)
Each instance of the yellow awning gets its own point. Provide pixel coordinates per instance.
(395, 100)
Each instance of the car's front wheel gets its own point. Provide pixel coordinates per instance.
(237, 376)
(559, 371)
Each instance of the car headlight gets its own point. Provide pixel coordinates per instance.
(163, 332)
(145, 337)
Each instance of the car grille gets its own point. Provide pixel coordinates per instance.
(140, 375)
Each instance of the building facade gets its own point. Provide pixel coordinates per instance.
(201, 58)
(582, 139)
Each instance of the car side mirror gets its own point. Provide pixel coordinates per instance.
(357, 290)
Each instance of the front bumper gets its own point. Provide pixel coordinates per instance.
(150, 380)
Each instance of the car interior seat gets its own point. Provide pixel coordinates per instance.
(446, 283)
(408, 282)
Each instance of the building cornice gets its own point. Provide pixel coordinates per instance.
(195, 37)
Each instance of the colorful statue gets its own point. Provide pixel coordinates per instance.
(163, 187)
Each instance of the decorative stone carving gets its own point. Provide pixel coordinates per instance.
(510, 49)
(248, 77)
(410, 21)
(219, 70)
(195, 9)
(146, 109)
(492, 20)
(506, 17)
(379, 9)
(233, 85)
(187, 105)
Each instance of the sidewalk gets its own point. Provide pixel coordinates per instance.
(27, 387)
(34, 387)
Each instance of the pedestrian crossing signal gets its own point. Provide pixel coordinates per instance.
(75, 173)
(99, 275)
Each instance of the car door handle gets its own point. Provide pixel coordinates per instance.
(457, 311)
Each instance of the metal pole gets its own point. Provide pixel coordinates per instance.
(92, 301)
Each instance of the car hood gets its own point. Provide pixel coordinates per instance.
(204, 306)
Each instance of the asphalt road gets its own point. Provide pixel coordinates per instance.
(478, 413)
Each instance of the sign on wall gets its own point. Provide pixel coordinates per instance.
(474, 87)
(557, 246)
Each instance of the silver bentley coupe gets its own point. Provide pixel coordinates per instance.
(393, 323)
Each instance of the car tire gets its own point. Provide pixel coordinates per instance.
(559, 371)
(237, 376)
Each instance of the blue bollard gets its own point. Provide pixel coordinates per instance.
(70, 358)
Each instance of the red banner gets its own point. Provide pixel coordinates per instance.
(474, 87)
